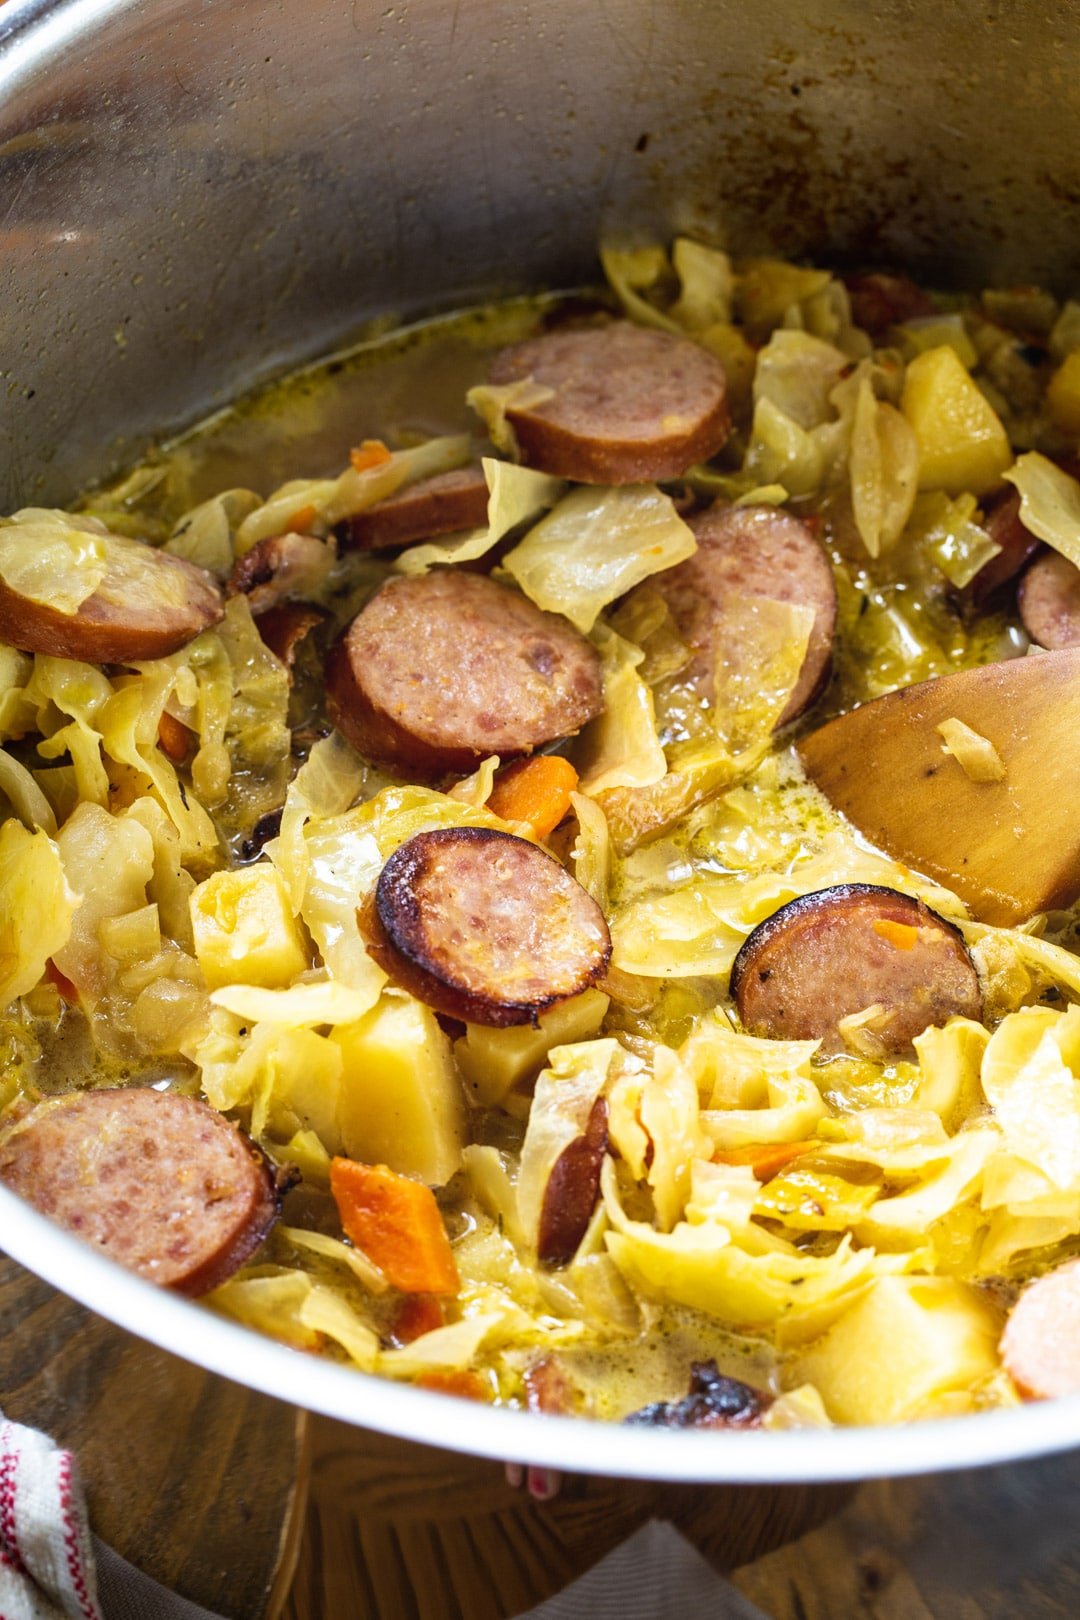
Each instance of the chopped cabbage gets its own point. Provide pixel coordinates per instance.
(595, 545)
(24, 795)
(205, 535)
(317, 504)
(57, 560)
(319, 1001)
(884, 463)
(620, 748)
(1031, 1079)
(590, 853)
(797, 373)
(515, 496)
(492, 401)
(1049, 503)
(976, 755)
(346, 1254)
(947, 531)
(36, 907)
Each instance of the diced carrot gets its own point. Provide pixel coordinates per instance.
(455, 1381)
(536, 791)
(175, 738)
(67, 990)
(766, 1159)
(372, 453)
(416, 1315)
(901, 936)
(396, 1222)
(302, 519)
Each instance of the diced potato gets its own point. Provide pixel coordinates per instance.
(401, 1101)
(245, 932)
(962, 444)
(901, 1350)
(494, 1061)
(1063, 394)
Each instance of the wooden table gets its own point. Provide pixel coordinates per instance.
(201, 1483)
(197, 1481)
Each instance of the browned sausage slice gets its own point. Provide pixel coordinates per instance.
(713, 1402)
(284, 566)
(751, 551)
(1041, 1343)
(440, 505)
(486, 927)
(880, 301)
(284, 628)
(629, 404)
(148, 605)
(827, 955)
(440, 671)
(1049, 600)
(572, 1190)
(157, 1181)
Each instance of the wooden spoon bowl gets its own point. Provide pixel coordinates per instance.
(1008, 848)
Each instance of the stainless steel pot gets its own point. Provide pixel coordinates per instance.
(193, 197)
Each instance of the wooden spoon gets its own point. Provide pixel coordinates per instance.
(1008, 848)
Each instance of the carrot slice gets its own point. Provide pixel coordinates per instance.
(67, 990)
(455, 1381)
(302, 519)
(372, 453)
(396, 1222)
(175, 738)
(416, 1315)
(536, 791)
(766, 1159)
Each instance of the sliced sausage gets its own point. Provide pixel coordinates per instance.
(751, 551)
(157, 1181)
(1041, 1343)
(1001, 520)
(485, 927)
(628, 404)
(713, 1402)
(284, 628)
(273, 570)
(880, 301)
(443, 670)
(549, 1388)
(148, 605)
(440, 505)
(572, 1190)
(1049, 600)
(827, 955)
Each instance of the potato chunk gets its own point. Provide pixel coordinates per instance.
(494, 1061)
(245, 932)
(962, 444)
(903, 1346)
(401, 1098)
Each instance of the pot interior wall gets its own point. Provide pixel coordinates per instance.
(197, 196)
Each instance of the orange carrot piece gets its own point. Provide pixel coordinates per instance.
(302, 519)
(416, 1315)
(175, 738)
(372, 453)
(536, 791)
(397, 1223)
(766, 1159)
(901, 936)
(455, 1381)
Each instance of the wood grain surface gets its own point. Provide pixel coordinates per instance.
(191, 1478)
(403, 1532)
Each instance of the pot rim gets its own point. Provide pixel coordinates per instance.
(574, 1445)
